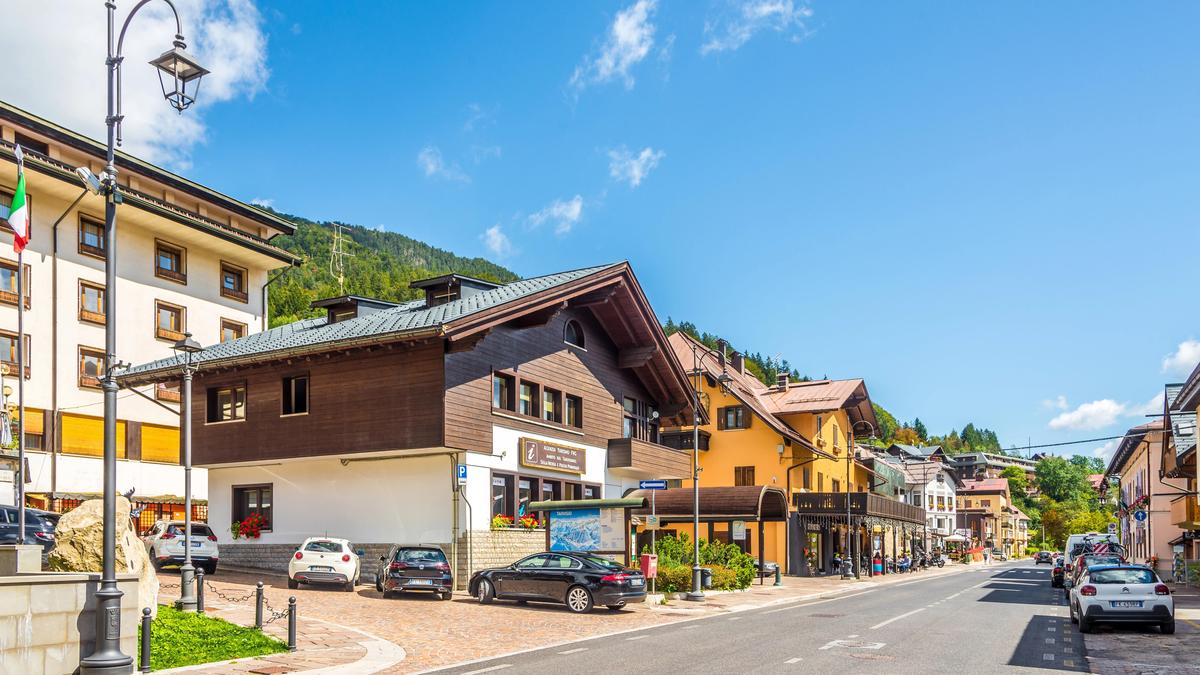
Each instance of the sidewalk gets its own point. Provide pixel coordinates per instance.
(1143, 650)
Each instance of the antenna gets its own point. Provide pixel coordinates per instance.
(337, 257)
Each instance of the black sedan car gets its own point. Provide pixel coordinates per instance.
(1057, 573)
(1043, 557)
(414, 568)
(39, 527)
(578, 580)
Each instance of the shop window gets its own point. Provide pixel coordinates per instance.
(227, 404)
(574, 411)
(91, 237)
(169, 321)
(502, 391)
(525, 494)
(170, 262)
(232, 330)
(295, 395)
(552, 405)
(254, 499)
(8, 283)
(502, 500)
(591, 492)
(551, 490)
(91, 367)
(573, 334)
(743, 475)
(91, 302)
(233, 282)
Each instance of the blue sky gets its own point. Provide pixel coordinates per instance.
(986, 210)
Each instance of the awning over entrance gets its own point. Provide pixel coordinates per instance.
(862, 504)
(718, 504)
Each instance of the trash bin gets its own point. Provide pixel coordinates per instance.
(705, 577)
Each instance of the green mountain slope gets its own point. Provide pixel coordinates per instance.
(379, 264)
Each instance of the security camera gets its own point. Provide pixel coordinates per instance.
(89, 179)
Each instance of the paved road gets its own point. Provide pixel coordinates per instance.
(1000, 618)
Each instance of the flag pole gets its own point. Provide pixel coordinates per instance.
(21, 366)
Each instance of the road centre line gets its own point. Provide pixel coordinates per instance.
(488, 670)
(897, 618)
(794, 659)
(637, 637)
(574, 651)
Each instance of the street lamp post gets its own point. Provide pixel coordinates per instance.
(697, 592)
(187, 572)
(180, 71)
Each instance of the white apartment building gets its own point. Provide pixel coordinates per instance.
(933, 487)
(190, 259)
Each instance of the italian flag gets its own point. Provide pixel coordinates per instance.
(18, 215)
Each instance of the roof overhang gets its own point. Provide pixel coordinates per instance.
(718, 504)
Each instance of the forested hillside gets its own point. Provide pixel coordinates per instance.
(378, 264)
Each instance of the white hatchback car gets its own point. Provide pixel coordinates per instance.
(324, 560)
(164, 543)
(1121, 594)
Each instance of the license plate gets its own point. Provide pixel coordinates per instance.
(637, 582)
(1126, 603)
(196, 544)
(318, 568)
(421, 582)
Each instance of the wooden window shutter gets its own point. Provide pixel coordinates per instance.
(720, 419)
(747, 417)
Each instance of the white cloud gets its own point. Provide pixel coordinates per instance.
(1090, 416)
(263, 202)
(478, 117)
(496, 241)
(629, 41)
(625, 166)
(431, 162)
(60, 72)
(564, 214)
(1184, 358)
(1105, 451)
(742, 20)
(1057, 403)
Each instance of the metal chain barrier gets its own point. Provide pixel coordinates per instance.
(162, 586)
(272, 613)
(228, 598)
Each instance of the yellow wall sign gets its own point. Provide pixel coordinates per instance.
(540, 454)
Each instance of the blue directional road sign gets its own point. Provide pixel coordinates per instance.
(462, 474)
(652, 484)
(1140, 516)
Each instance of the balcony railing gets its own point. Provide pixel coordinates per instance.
(643, 459)
(1185, 513)
(861, 504)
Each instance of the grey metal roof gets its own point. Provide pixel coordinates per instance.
(407, 317)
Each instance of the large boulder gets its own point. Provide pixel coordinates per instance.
(79, 547)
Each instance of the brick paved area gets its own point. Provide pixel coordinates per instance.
(1136, 650)
(435, 633)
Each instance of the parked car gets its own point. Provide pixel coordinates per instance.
(1121, 594)
(324, 560)
(999, 555)
(1043, 557)
(165, 544)
(1083, 562)
(1058, 572)
(39, 530)
(578, 580)
(414, 568)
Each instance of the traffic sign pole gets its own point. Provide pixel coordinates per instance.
(653, 546)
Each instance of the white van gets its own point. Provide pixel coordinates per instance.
(1069, 551)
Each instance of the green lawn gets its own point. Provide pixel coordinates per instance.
(185, 639)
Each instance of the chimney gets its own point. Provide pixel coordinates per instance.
(738, 363)
(781, 381)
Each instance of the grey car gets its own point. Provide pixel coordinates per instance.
(39, 528)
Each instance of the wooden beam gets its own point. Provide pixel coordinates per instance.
(636, 356)
(599, 297)
(539, 318)
(467, 343)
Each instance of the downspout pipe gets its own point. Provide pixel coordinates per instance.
(266, 311)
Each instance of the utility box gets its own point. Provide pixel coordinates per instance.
(706, 577)
(650, 565)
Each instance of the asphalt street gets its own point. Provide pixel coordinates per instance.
(983, 620)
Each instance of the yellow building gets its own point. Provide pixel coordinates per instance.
(793, 436)
(986, 509)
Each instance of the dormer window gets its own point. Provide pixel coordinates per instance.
(451, 287)
(346, 307)
(573, 334)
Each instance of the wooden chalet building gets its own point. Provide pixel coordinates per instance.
(352, 424)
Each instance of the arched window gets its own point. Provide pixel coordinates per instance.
(573, 334)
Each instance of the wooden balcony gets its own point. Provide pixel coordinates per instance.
(641, 459)
(1185, 513)
(861, 504)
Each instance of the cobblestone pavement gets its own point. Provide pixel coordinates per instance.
(1137, 650)
(435, 633)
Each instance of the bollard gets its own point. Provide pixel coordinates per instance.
(258, 605)
(145, 640)
(778, 577)
(200, 590)
(292, 624)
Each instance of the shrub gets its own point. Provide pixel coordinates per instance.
(673, 579)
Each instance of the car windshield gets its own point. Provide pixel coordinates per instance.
(602, 562)
(323, 546)
(1101, 560)
(198, 530)
(1122, 576)
(420, 555)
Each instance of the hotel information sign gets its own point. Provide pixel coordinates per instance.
(546, 455)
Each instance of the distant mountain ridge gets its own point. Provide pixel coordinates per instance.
(378, 264)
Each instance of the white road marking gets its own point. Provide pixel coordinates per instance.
(637, 637)
(734, 618)
(574, 651)
(818, 602)
(796, 659)
(1047, 657)
(951, 597)
(897, 618)
(689, 627)
(853, 636)
(502, 666)
(1050, 641)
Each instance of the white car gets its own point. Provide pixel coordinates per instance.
(324, 560)
(1121, 594)
(164, 543)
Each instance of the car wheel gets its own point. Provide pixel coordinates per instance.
(1071, 610)
(579, 600)
(210, 569)
(447, 596)
(293, 584)
(386, 594)
(349, 588)
(617, 607)
(378, 584)
(1167, 627)
(486, 593)
(1085, 625)
(522, 602)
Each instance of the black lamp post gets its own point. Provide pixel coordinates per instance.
(697, 592)
(183, 72)
(187, 572)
